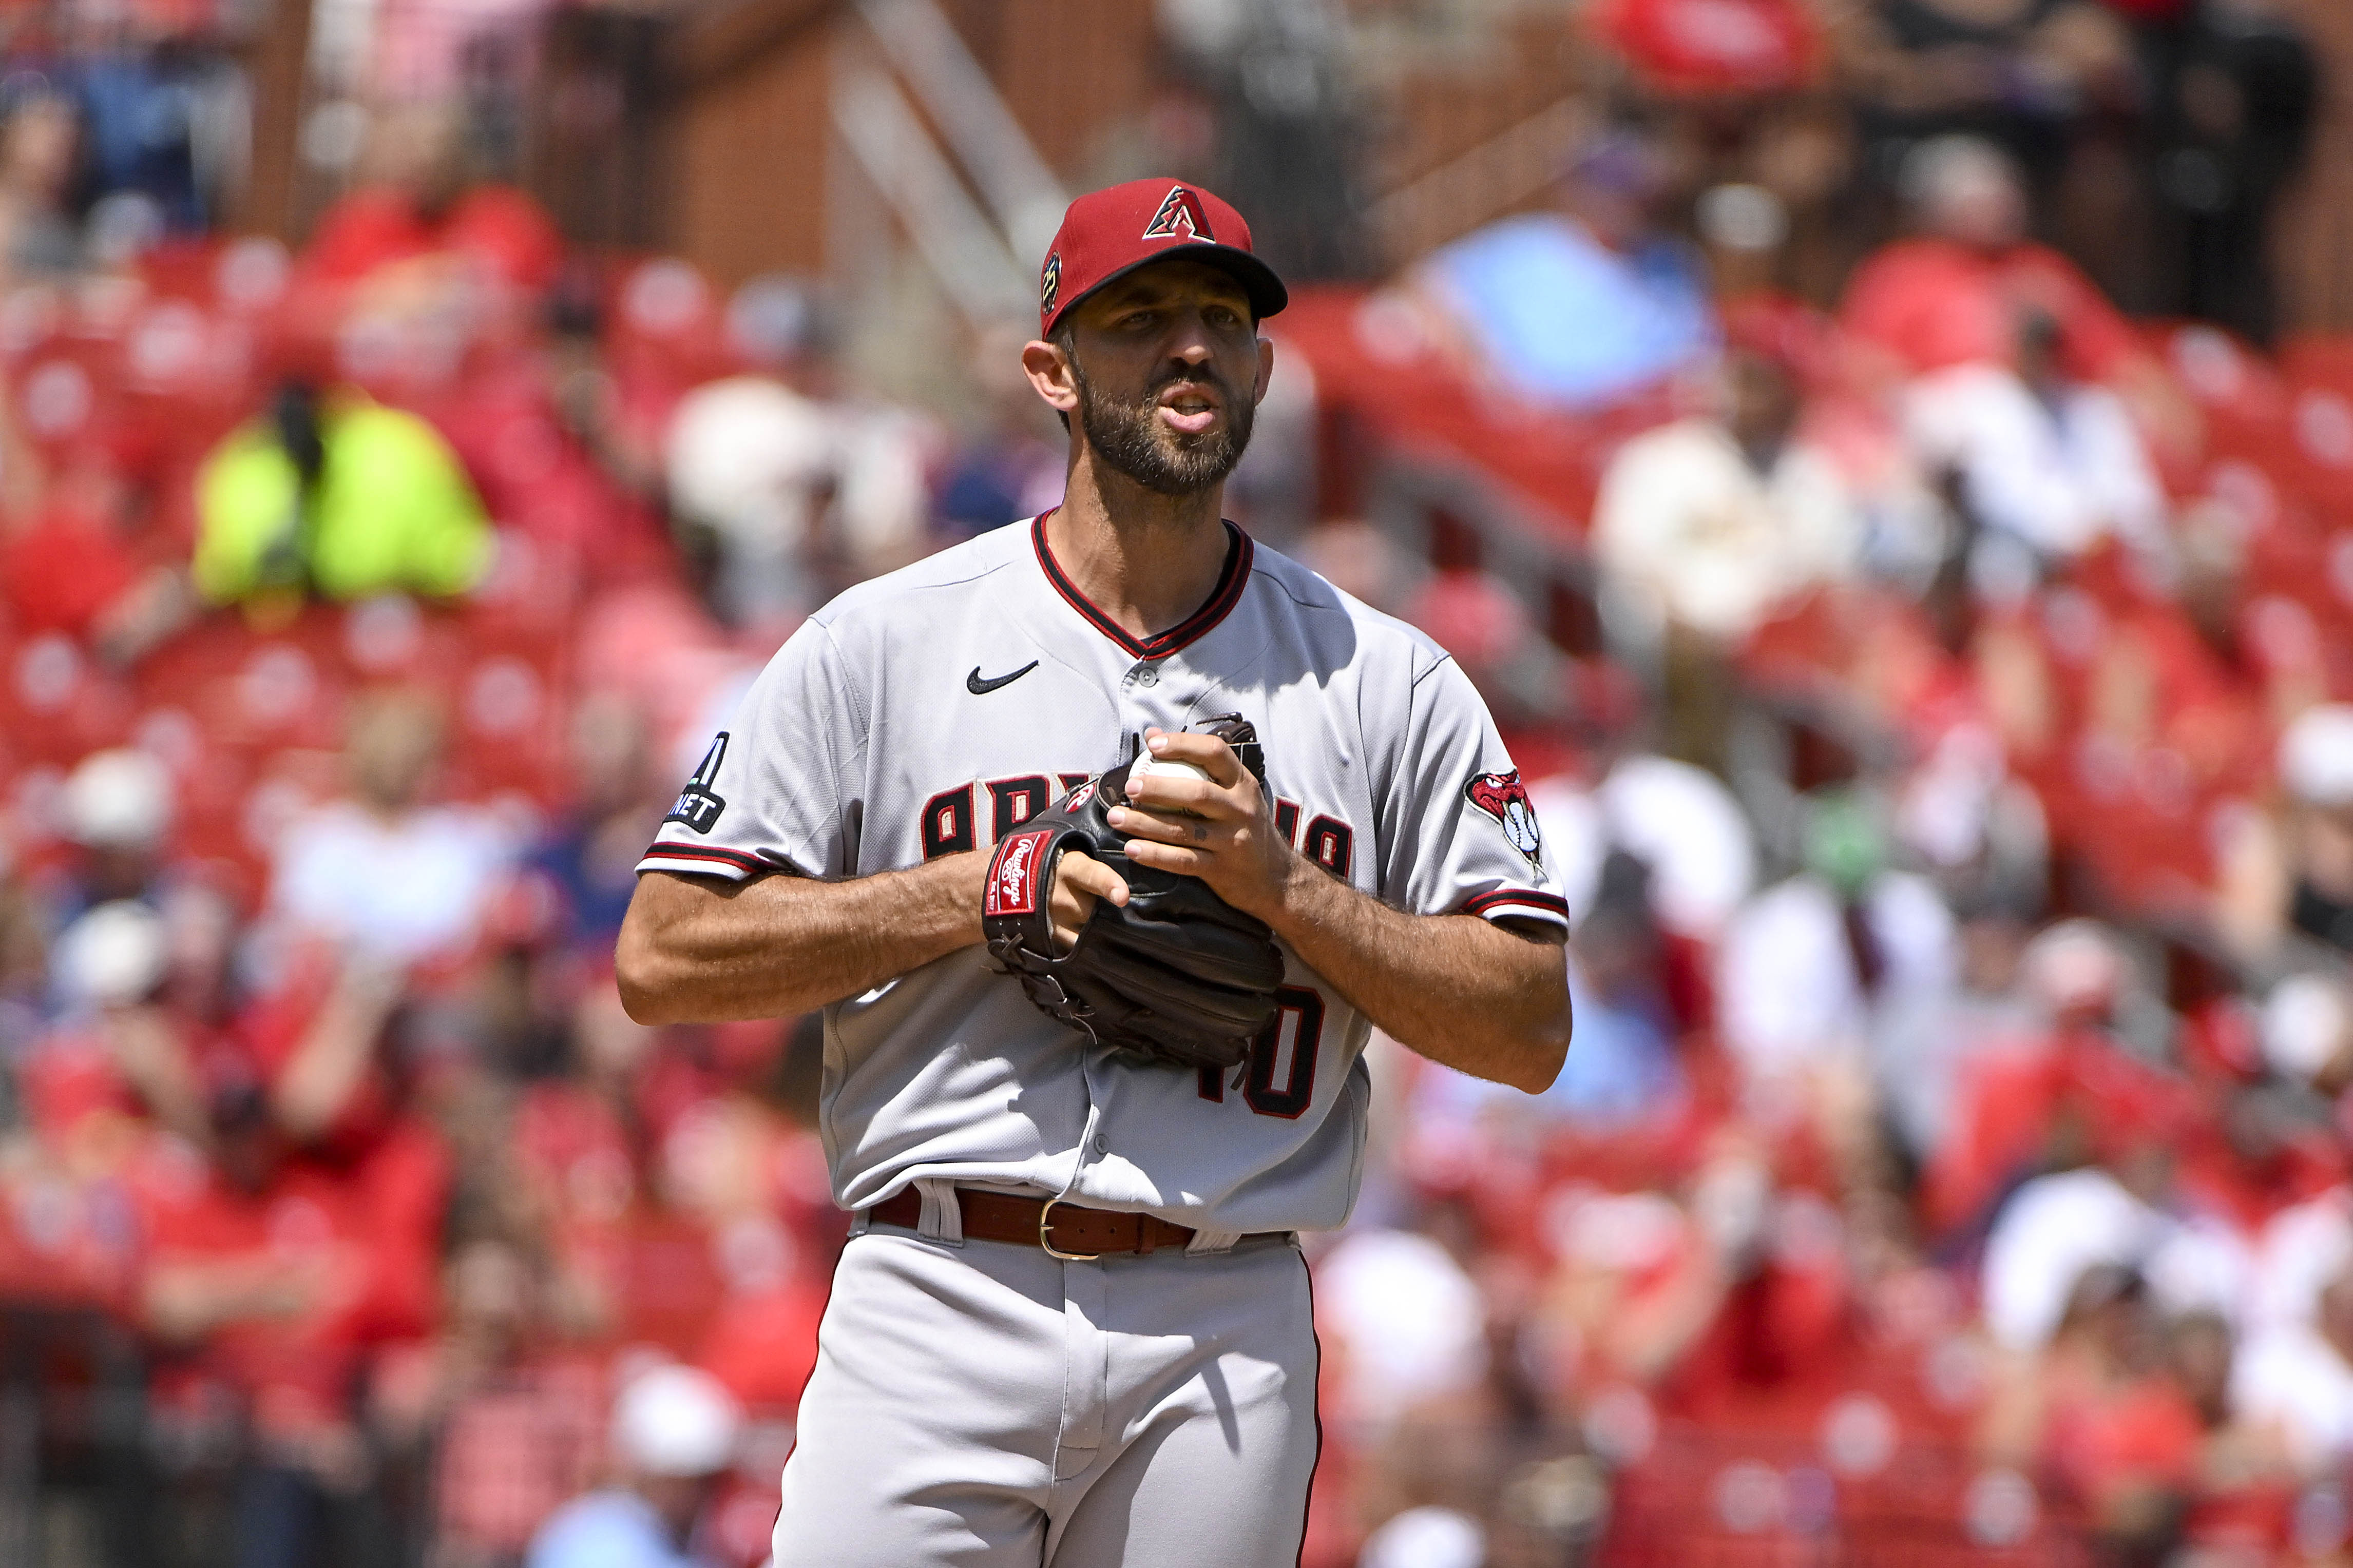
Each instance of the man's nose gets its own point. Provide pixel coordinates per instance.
(1191, 345)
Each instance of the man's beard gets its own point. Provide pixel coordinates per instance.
(1131, 438)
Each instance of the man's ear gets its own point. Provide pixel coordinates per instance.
(1265, 371)
(1050, 371)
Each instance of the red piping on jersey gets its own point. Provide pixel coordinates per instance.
(735, 858)
(1525, 897)
(1215, 608)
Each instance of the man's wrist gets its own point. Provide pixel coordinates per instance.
(958, 883)
(1297, 888)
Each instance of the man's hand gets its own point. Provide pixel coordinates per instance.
(1486, 999)
(1079, 882)
(1220, 829)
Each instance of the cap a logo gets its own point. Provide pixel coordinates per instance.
(1503, 797)
(1180, 218)
(1050, 283)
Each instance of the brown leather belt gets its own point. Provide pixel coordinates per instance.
(1063, 1229)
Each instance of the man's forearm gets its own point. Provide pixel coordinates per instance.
(697, 951)
(1455, 988)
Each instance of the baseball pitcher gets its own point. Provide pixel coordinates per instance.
(1103, 841)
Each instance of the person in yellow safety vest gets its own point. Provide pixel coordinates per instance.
(337, 496)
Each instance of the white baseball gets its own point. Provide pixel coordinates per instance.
(1167, 768)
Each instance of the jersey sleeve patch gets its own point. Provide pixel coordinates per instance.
(1503, 797)
(699, 805)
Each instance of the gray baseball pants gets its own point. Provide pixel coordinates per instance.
(987, 1405)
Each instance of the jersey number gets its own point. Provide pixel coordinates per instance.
(1284, 1054)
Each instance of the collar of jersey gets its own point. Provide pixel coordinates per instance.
(1215, 608)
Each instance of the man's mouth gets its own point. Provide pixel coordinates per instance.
(1189, 409)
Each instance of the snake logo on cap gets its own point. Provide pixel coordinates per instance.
(1050, 283)
(1180, 218)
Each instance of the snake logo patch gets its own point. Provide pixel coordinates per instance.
(1180, 218)
(1050, 284)
(1503, 797)
(697, 807)
(1013, 879)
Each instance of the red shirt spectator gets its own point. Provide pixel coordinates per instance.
(379, 227)
(286, 1273)
(1934, 304)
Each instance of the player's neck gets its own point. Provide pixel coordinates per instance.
(1146, 560)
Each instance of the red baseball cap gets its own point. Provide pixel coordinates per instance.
(1110, 233)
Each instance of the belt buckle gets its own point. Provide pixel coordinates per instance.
(1046, 1237)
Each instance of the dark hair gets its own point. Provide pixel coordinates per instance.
(294, 415)
(1065, 337)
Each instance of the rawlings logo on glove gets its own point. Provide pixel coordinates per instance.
(1013, 876)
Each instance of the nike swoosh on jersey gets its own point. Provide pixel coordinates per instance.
(980, 687)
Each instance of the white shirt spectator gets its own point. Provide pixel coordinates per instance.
(749, 458)
(2059, 476)
(2048, 1233)
(1787, 994)
(1687, 525)
(2300, 1251)
(2055, 1227)
(393, 890)
(1679, 820)
(762, 467)
(1412, 1322)
(2290, 1376)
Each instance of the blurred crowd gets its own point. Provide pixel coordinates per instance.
(1934, 683)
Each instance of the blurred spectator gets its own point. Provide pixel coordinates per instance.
(2098, 1415)
(1585, 304)
(1927, 1038)
(1679, 821)
(592, 853)
(2035, 1101)
(39, 144)
(1405, 1322)
(1626, 1072)
(118, 813)
(2298, 1371)
(515, 1424)
(1706, 524)
(383, 873)
(276, 1275)
(1960, 291)
(2292, 880)
(79, 564)
(674, 1435)
(569, 469)
(336, 495)
(1426, 1537)
(115, 1029)
(1808, 965)
(2236, 96)
(787, 491)
(163, 130)
(1008, 468)
(2020, 73)
(421, 223)
(2048, 467)
(1760, 48)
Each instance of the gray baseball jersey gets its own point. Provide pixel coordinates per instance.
(935, 709)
